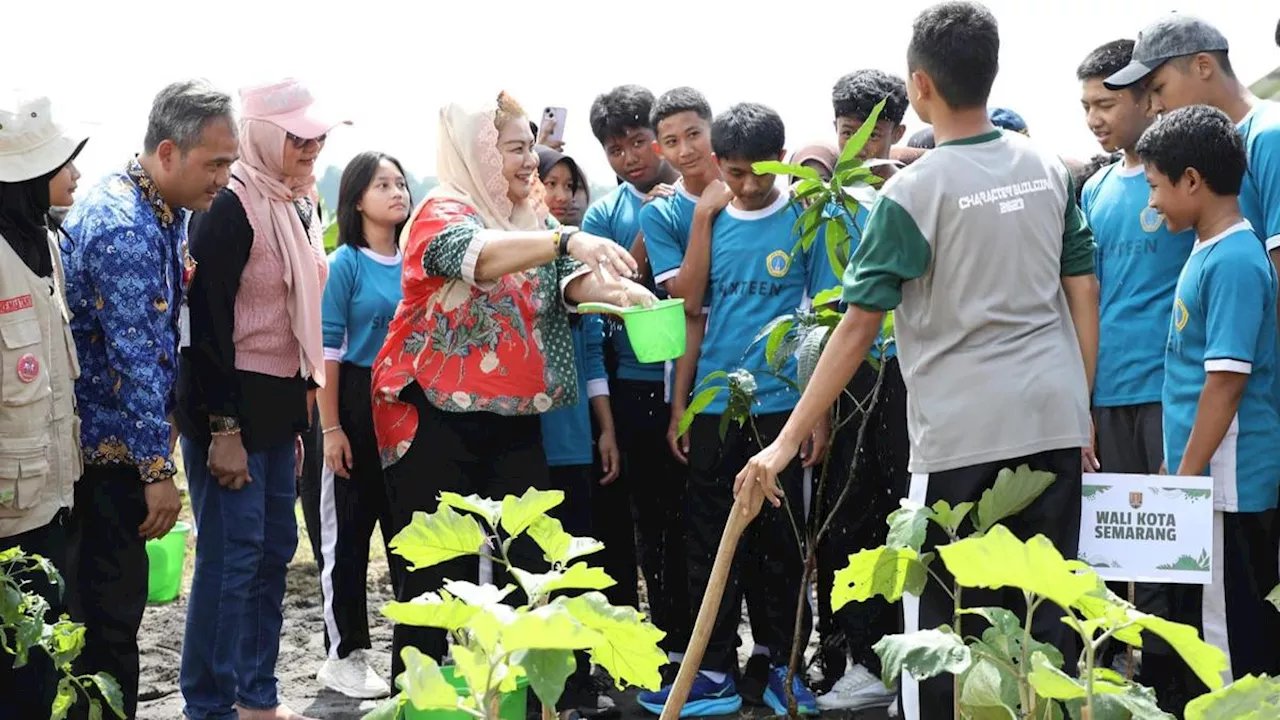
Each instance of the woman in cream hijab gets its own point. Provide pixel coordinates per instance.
(480, 346)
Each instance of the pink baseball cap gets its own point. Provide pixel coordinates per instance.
(288, 105)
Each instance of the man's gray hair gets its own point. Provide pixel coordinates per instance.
(180, 112)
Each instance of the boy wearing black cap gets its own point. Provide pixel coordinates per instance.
(1183, 60)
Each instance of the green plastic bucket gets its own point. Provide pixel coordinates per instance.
(656, 333)
(165, 557)
(511, 707)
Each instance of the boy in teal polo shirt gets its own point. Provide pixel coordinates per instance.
(1220, 412)
(650, 488)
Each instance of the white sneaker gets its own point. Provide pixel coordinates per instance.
(353, 677)
(856, 690)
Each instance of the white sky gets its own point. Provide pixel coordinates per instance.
(388, 65)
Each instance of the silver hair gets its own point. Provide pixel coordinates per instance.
(180, 112)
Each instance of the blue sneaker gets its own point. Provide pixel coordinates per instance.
(706, 698)
(775, 696)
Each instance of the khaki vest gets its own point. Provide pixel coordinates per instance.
(40, 457)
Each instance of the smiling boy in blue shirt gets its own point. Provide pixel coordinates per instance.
(1219, 398)
(752, 278)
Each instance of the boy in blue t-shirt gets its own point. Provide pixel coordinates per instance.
(1220, 411)
(677, 231)
(752, 278)
(1138, 263)
(650, 489)
(880, 478)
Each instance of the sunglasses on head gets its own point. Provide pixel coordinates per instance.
(300, 143)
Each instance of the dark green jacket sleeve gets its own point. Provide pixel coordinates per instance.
(892, 251)
(1078, 247)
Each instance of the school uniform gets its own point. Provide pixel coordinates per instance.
(970, 244)
(666, 224)
(1138, 262)
(1224, 321)
(876, 485)
(360, 299)
(649, 490)
(754, 279)
(1260, 191)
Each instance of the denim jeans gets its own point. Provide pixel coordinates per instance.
(244, 541)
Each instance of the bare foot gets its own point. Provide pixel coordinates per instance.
(278, 713)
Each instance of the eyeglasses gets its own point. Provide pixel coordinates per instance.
(301, 143)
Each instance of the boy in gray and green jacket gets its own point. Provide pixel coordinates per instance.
(982, 252)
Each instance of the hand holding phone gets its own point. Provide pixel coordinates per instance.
(551, 133)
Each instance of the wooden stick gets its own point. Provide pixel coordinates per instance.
(745, 509)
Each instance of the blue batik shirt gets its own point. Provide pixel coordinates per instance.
(124, 271)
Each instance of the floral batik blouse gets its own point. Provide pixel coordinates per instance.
(501, 346)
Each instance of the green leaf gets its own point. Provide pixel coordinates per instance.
(908, 525)
(809, 352)
(424, 685)
(1013, 491)
(885, 572)
(1273, 597)
(1051, 682)
(849, 156)
(388, 709)
(432, 539)
(628, 646)
(987, 692)
(1249, 698)
(773, 167)
(1128, 702)
(1205, 660)
(776, 336)
(63, 701)
(431, 610)
(947, 517)
(110, 691)
(806, 226)
(490, 510)
(331, 237)
(924, 654)
(63, 642)
(547, 671)
(95, 709)
(697, 405)
(837, 245)
(519, 513)
(550, 627)
(998, 560)
(713, 376)
(830, 296)
(558, 546)
(577, 577)
(768, 328)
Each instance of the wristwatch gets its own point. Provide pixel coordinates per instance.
(223, 425)
(563, 233)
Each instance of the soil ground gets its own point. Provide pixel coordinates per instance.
(302, 647)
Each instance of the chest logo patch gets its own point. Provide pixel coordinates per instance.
(28, 368)
(1150, 219)
(1180, 314)
(778, 263)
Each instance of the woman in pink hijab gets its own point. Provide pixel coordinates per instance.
(254, 356)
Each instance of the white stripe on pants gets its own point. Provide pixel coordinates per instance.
(329, 555)
(918, 493)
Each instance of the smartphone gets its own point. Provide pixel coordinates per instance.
(555, 116)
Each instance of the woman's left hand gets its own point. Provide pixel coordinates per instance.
(626, 293)
(606, 258)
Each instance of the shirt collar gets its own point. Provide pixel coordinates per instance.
(140, 177)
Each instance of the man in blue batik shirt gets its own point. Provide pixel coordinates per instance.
(1219, 398)
(126, 269)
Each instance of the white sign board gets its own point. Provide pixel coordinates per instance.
(1148, 528)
